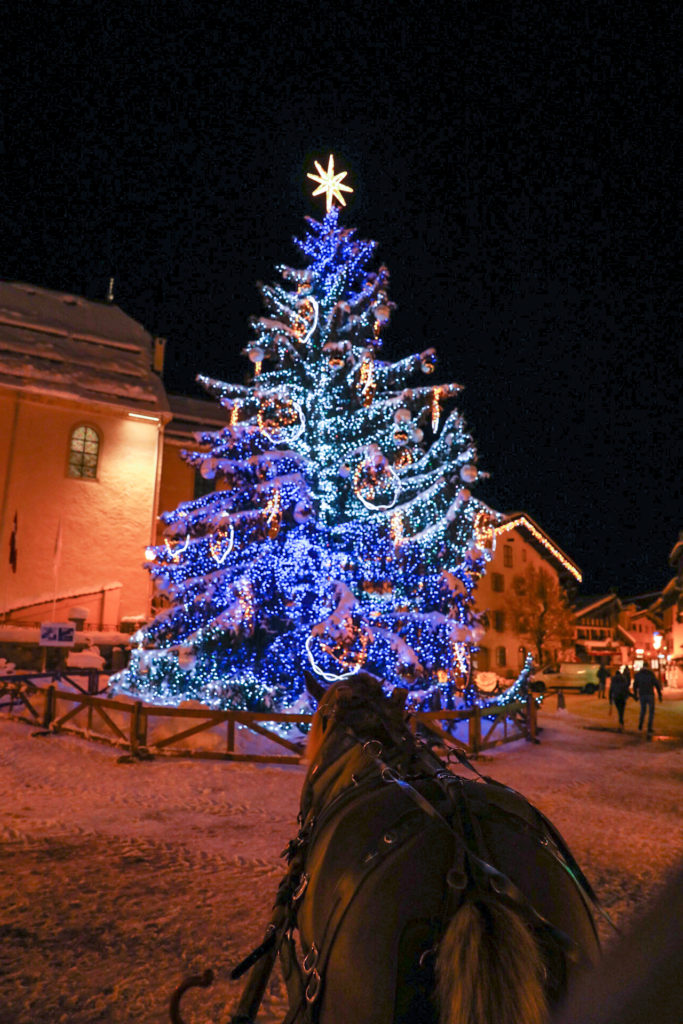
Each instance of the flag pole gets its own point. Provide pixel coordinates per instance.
(56, 558)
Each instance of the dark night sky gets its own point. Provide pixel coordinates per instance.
(514, 161)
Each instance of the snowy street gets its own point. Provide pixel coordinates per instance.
(121, 878)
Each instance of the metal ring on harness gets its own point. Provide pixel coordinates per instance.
(313, 987)
(390, 774)
(301, 887)
(311, 959)
(372, 743)
(456, 879)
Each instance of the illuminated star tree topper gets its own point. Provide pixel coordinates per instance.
(330, 183)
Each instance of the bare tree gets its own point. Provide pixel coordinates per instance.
(539, 610)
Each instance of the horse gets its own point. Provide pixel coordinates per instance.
(419, 896)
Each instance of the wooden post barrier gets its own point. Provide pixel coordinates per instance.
(50, 711)
(475, 731)
(138, 728)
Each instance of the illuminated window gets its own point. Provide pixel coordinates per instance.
(84, 452)
(499, 621)
(507, 556)
(497, 581)
(501, 658)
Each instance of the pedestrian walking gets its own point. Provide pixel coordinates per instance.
(645, 683)
(618, 694)
(602, 679)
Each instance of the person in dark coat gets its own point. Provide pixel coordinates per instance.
(618, 694)
(602, 679)
(645, 683)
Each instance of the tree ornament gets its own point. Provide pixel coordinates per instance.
(436, 410)
(367, 382)
(281, 418)
(428, 361)
(221, 544)
(306, 319)
(176, 550)
(273, 515)
(345, 645)
(375, 482)
(403, 459)
(469, 473)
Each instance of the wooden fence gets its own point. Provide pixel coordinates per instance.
(144, 730)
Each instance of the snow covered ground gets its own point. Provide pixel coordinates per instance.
(120, 878)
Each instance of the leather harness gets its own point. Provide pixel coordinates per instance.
(419, 793)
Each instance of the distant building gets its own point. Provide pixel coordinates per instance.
(619, 631)
(519, 542)
(82, 414)
(670, 607)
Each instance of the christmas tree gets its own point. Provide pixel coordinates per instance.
(341, 532)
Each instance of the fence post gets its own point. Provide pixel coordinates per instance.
(50, 712)
(475, 731)
(138, 728)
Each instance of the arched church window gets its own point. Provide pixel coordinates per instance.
(84, 452)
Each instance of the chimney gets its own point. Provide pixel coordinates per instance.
(158, 355)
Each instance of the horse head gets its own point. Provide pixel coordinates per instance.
(359, 704)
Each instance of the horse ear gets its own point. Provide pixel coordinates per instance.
(398, 697)
(313, 686)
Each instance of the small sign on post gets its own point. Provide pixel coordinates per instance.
(57, 634)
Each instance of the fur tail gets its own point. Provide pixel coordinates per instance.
(490, 969)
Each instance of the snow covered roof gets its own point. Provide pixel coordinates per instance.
(192, 415)
(521, 520)
(59, 344)
(591, 604)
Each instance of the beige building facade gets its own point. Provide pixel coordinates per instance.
(82, 413)
(519, 543)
